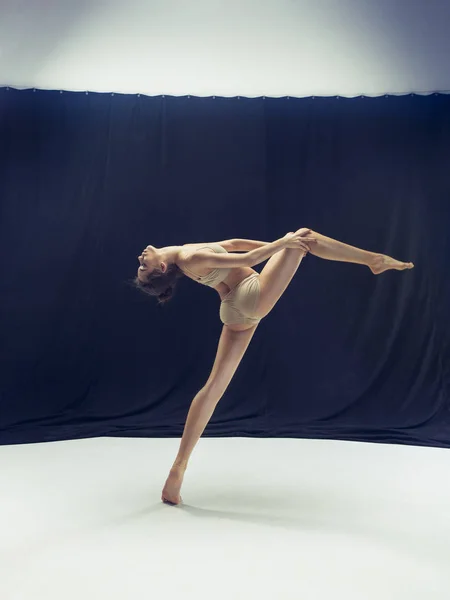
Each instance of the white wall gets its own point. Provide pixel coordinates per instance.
(227, 47)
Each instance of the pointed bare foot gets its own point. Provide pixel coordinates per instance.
(382, 263)
(172, 487)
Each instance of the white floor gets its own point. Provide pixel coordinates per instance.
(276, 519)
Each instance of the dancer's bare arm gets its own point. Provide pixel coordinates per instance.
(300, 240)
(243, 245)
(238, 245)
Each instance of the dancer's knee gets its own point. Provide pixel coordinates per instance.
(305, 231)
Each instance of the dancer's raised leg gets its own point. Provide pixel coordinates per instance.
(333, 250)
(276, 276)
(281, 267)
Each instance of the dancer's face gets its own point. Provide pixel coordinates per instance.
(149, 260)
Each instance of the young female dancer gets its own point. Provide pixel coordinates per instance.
(246, 297)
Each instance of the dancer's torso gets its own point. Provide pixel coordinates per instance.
(232, 277)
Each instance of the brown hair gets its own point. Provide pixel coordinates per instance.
(161, 285)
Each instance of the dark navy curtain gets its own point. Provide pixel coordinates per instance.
(87, 180)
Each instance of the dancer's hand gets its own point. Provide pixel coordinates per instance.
(301, 239)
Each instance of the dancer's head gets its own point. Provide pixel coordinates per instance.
(155, 276)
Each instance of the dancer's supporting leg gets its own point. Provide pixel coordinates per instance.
(231, 349)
